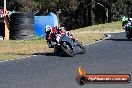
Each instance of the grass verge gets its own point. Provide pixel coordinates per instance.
(108, 27)
(14, 49)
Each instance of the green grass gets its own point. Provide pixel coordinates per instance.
(114, 26)
(28, 47)
(14, 49)
(96, 32)
(86, 38)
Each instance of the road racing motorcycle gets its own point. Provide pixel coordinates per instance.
(127, 26)
(63, 42)
(128, 30)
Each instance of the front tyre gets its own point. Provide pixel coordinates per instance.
(67, 49)
(128, 36)
(82, 48)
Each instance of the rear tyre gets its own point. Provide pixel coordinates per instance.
(67, 49)
(22, 15)
(21, 32)
(22, 37)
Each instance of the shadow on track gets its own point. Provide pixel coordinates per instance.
(119, 39)
(47, 54)
(51, 54)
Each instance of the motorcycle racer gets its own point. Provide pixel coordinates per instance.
(126, 22)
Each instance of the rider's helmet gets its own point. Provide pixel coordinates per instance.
(124, 18)
(61, 30)
(48, 29)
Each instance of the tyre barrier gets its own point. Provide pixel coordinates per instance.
(22, 26)
(21, 33)
(22, 37)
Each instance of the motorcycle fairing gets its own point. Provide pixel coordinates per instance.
(67, 39)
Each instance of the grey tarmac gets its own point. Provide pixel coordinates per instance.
(110, 56)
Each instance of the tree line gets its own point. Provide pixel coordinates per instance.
(76, 13)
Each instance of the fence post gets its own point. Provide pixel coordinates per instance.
(6, 29)
(6, 22)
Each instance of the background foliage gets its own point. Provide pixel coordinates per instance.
(76, 13)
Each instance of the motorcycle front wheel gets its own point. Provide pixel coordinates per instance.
(82, 49)
(67, 49)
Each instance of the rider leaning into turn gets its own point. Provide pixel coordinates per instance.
(57, 30)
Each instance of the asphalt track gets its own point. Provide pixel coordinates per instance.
(110, 56)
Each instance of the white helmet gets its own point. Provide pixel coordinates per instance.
(48, 29)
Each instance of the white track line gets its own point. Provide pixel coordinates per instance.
(18, 58)
(34, 55)
(5, 60)
(108, 36)
(28, 56)
(11, 59)
(1, 61)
